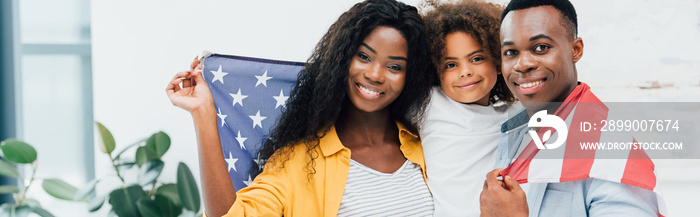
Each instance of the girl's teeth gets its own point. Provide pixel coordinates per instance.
(368, 91)
(531, 84)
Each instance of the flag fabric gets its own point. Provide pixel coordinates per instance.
(249, 94)
(575, 163)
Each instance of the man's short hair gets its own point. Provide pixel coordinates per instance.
(564, 6)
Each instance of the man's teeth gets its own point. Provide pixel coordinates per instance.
(368, 91)
(531, 84)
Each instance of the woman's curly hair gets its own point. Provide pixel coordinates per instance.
(479, 19)
(319, 94)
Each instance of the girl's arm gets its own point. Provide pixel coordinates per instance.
(195, 97)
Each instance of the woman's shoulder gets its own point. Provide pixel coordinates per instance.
(293, 154)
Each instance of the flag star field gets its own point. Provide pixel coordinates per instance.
(249, 95)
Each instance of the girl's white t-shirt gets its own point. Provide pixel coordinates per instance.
(459, 143)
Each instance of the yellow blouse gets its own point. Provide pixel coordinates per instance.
(291, 191)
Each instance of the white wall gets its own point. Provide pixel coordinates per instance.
(139, 45)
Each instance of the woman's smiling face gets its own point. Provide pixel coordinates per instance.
(378, 70)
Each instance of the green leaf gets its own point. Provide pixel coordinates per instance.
(107, 143)
(41, 211)
(170, 190)
(18, 152)
(31, 202)
(36, 207)
(22, 211)
(128, 147)
(145, 154)
(6, 209)
(96, 203)
(5, 189)
(7, 169)
(148, 208)
(150, 171)
(187, 188)
(86, 190)
(12, 210)
(187, 213)
(167, 206)
(123, 200)
(160, 206)
(126, 165)
(160, 142)
(59, 189)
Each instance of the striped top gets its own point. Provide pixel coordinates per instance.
(372, 193)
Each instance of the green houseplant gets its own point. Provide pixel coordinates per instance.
(147, 197)
(16, 153)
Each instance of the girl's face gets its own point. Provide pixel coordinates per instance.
(468, 72)
(378, 70)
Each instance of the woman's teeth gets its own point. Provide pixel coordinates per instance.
(368, 91)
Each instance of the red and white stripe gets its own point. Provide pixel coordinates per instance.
(573, 163)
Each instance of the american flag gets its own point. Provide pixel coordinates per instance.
(569, 163)
(249, 95)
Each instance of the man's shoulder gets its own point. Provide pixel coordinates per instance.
(519, 119)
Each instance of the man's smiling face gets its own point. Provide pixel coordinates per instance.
(538, 54)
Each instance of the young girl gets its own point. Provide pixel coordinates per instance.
(346, 144)
(463, 121)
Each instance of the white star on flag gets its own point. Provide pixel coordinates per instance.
(238, 97)
(218, 75)
(250, 80)
(241, 139)
(262, 79)
(257, 119)
(231, 162)
(281, 99)
(222, 116)
(247, 183)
